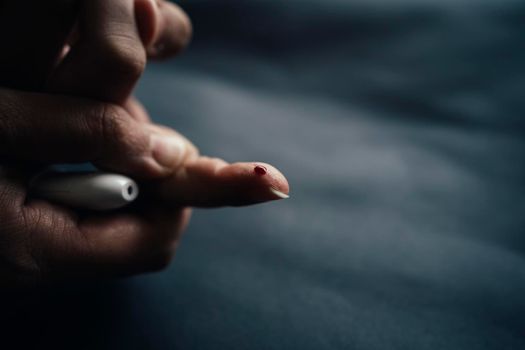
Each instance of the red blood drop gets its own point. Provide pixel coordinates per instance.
(260, 170)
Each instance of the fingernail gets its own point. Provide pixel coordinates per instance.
(167, 150)
(279, 194)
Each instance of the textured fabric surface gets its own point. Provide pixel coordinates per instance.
(400, 125)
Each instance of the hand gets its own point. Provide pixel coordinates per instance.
(44, 241)
(104, 63)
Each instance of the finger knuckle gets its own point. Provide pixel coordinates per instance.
(122, 57)
(109, 125)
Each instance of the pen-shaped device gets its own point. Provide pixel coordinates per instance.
(85, 190)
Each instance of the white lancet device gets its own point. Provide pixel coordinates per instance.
(92, 191)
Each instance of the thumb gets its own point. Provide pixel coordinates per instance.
(58, 129)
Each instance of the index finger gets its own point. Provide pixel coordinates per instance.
(212, 182)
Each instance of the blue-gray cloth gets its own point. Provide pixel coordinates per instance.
(400, 125)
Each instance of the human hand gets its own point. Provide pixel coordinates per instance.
(41, 240)
(114, 39)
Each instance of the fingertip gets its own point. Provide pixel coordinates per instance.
(275, 183)
(271, 177)
(212, 182)
(258, 182)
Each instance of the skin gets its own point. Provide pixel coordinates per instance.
(66, 97)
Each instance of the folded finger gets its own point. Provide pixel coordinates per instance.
(65, 244)
(59, 129)
(173, 32)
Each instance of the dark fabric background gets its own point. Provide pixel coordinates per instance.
(400, 125)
